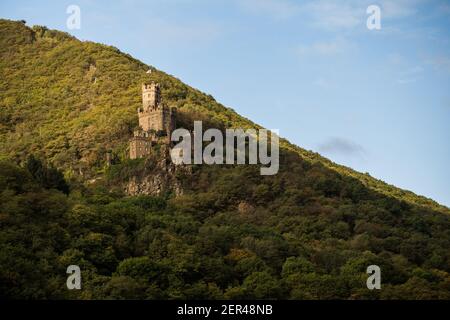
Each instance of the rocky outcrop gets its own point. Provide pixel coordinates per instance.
(160, 178)
(154, 184)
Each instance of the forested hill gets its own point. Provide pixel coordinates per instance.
(71, 101)
(308, 232)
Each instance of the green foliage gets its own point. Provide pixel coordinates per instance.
(153, 248)
(48, 177)
(308, 232)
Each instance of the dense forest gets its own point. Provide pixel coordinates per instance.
(308, 232)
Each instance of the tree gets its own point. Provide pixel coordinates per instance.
(261, 285)
(48, 177)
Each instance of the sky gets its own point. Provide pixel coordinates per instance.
(374, 100)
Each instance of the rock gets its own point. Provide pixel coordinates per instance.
(160, 180)
(245, 207)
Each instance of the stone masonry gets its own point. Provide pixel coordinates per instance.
(156, 122)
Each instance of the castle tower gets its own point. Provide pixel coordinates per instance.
(154, 115)
(151, 96)
(156, 122)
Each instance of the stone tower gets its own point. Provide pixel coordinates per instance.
(156, 122)
(151, 95)
(154, 115)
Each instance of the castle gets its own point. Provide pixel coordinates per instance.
(156, 122)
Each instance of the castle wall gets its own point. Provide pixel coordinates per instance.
(140, 147)
(160, 119)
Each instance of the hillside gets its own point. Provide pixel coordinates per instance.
(308, 232)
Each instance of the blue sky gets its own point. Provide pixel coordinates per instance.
(375, 100)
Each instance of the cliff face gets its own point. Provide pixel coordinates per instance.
(154, 185)
(163, 179)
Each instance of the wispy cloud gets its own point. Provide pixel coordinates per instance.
(440, 63)
(444, 8)
(334, 15)
(342, 146)
(331, 15)
(277, 9)
(410, 75)
(337, 15)
(395, 9)
(404, 70)
(176, 32)
(322, 83)
(336, 46)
